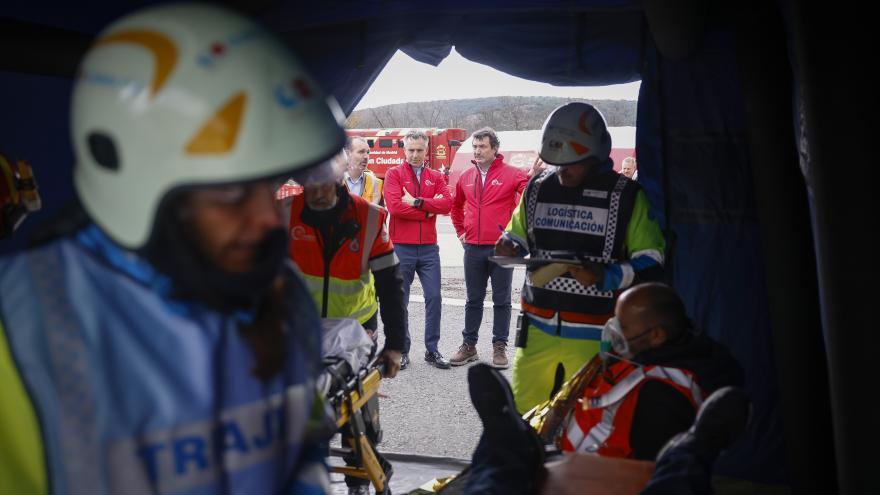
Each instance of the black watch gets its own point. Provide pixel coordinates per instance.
(417, 203)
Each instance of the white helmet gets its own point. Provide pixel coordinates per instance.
(574, 132)
(183, 95)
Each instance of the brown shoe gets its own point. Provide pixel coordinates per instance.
(499, 355)
(465, 354)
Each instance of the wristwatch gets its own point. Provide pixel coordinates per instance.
(417, 203)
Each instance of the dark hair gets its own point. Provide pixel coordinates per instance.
(488, 132)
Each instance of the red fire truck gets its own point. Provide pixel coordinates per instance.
(520, 148)
(386, 147)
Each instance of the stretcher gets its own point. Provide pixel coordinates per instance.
(350, 382)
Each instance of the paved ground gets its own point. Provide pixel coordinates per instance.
(427, 411)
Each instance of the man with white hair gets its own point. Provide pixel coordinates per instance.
(628, 167)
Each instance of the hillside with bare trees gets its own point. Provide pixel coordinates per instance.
(503, 113)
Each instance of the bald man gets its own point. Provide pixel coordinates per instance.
(658, 375)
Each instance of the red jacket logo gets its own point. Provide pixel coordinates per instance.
(298, 233)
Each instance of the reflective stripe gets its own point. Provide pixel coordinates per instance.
(627, 275)
(579, 331)
(612, 400)
(532, 205)
(192, 454)
(364, 313)
(619, 391)
(613, 210)
(346, 298)
(384, 261)
(372, 189)
(569, 285)
(337, 287)
(372, 229)
(680, 378)
(569, 254)
(71, 367)
(650, 253)
(599, 433)
(575, 434)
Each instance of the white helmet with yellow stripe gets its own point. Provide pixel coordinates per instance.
(186, 95)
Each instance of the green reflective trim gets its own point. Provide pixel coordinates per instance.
(517, 224)
(22, 461)
(347, 299)
(643, 233)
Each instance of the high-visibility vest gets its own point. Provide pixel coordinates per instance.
(372, 191)
(138, 392)
(372, 188)
(344, 288)
(602, 421)
(592, 223)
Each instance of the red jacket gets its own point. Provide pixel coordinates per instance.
(478, 209)
(415, 225)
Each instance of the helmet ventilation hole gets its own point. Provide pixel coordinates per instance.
(103, 150)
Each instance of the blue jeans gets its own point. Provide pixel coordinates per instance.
(423, 259)
(477, 270)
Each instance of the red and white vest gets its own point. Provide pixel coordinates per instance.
(602, 420)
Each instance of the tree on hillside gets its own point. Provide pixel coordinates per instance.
(502, 113)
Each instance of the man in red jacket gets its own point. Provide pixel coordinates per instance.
(485, 197)
(415, 194)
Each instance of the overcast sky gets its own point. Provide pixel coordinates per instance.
(457, 77)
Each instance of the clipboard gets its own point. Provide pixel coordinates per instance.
(530, 262)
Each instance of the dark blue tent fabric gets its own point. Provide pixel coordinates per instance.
(690, 141)
(701, 175)
(36, 127)
(562, 49)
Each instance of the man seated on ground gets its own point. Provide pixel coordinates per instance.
(660, 373)
(646, 392)
(509, 458)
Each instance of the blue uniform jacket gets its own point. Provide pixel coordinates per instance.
(137, 393)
